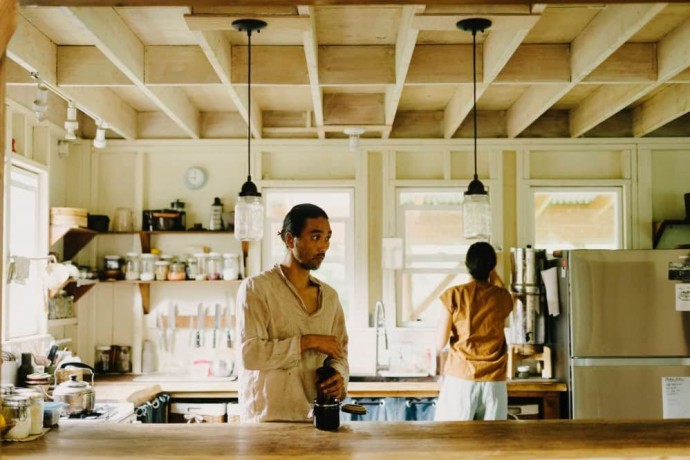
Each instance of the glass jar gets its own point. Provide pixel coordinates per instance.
(231, 266)
(162, 268)
(102, 359)
(177, 271)
(124, 364)
(16, 409)
(249, 218)
(192, 268)
(132, 266)
(200, 266)
(147, 267)
(214, 267)
(35, 409)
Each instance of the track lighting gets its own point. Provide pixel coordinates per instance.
(40, 104)
(354, 133)
(71, 124)
(99, 142)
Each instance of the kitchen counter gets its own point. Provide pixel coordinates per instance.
(527, 439)
(125, 388)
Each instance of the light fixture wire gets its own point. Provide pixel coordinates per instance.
(249, 104)
(474, 97)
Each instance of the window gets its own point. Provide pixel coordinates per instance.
(577, 217)
(430, 223)
(26, 235)
(338, 268)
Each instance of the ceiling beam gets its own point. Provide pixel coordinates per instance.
(263, 3)
(311, 54)
(607, 32)
(673, 57)
(217, 49)
(356, 65)
(36, 53)
(498, 48)
(671, 103)
(404, 47)
(119, 44)
(224, 22)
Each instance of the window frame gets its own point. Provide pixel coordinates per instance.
(41, 172)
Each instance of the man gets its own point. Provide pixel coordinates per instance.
(290, 322)
(474, 376)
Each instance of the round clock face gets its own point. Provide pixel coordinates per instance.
(195, 177)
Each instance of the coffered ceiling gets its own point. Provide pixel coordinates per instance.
(396, 70)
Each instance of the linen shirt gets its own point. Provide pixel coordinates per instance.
(277, 379)
(478, 348)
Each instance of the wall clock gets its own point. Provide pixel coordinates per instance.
(195, 178)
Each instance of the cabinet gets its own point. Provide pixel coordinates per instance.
(75, 239)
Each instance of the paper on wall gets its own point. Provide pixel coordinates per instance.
(675, 396)
(550, 278)
(683, 297)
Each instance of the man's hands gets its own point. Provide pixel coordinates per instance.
(332, 387)
(327, 344)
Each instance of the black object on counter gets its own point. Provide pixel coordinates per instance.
(326, 410)
(25, 368)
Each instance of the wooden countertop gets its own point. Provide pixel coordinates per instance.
(125, 388)
(377, 440)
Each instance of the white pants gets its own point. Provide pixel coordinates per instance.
(467, 400)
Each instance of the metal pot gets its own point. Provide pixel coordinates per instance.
(78, 395)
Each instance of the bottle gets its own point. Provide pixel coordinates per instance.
(326, 409)
(216, 215)
(26, 368)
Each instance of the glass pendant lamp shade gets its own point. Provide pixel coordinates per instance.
(476, 209)
(249, 209)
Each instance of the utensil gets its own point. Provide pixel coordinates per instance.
(162, 340)
(216, 325)
(172, 315)
(78, 395)
(200, 326)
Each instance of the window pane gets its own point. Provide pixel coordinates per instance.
(577, 219)
(421, 290)
(336, 204)
(432, 223)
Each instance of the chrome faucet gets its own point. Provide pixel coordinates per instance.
(380, 324)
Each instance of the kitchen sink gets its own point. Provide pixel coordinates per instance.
(394, 378)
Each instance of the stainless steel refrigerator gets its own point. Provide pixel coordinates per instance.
(619, 332)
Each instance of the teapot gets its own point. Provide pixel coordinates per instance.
(78, 395)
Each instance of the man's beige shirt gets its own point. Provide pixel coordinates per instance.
(276, 378)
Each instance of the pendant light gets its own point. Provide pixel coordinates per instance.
(249, 210)
(476, 209)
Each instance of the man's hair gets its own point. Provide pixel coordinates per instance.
(296, 219)
(480, 260)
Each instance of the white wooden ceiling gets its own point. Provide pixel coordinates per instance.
(397, 70)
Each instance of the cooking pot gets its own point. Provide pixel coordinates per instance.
(78, 395)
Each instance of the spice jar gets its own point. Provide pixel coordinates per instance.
(16, 409)
(230, 266)
(213, 266)
(162, 268)
(147, 267)
(177, 271)
(200, 266)
(132, 266)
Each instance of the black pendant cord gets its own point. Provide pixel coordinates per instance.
(249, 104)
(474, 108)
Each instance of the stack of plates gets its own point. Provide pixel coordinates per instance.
(68, 217)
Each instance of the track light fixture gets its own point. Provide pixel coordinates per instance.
(99, 142)
(71, 124)
(40, 104)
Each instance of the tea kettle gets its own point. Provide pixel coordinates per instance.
(78, 395)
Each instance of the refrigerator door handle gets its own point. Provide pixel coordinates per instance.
(632, 361)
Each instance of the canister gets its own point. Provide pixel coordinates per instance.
(162, 267)
(213, 266)
(35, 409)
(132, 266)
(16, 409)
(102, 359)
(230, 266)
(147, 267)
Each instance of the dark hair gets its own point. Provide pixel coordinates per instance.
(480, 260)
(296, 219)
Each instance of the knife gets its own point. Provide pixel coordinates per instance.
(216, 325)
(200, 326)
(162, 340)
(171, 325)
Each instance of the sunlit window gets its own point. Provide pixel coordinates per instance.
(338, 268)
(26, 236)
(430, 223)
(577, 218)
